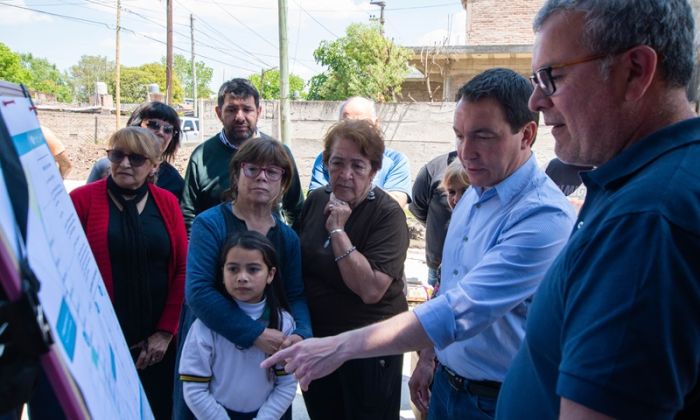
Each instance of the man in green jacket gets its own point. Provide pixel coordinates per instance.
(207, 175)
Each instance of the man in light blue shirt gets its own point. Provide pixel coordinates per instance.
(504, 233)
(395, 175)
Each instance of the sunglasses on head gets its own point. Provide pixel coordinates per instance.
(156, 126)
(135, 159)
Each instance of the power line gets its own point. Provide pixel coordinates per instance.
(216, 31)
(203, 44)
(77, 19)
(315, 20)
(155, 22)
(243, 23)
(111, 27)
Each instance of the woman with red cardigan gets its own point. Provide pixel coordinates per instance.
(137, 235)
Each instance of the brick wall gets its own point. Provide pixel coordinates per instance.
(500, 22)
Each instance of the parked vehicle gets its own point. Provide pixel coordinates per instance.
(190, 130)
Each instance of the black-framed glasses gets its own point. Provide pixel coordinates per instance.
(273, 173)
(542, 77)
(135, 159)
(156, 126)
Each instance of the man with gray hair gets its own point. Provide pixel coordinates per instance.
(395, 175)
(614, 330)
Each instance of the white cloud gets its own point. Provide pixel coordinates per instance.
(13, 16)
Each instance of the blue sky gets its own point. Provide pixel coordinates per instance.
(234, 37)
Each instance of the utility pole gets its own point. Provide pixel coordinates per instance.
(194, 70)
(381, 5)
(117, 76)
(284, 75)
(169, 55)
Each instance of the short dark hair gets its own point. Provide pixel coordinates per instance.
(511, 90)
(238, 88)
(161, 111)
(260, 151)
(361, 132)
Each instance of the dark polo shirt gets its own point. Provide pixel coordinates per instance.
(615, 325)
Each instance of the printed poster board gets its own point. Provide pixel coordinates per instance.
(89, 345)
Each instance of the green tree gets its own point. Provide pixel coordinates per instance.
(90, 69)
(182, 68)
(135, 81)
(270, 86)
(362, 63)
(11, 69)
(45, 77)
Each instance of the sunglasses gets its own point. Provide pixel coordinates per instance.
(135, 159)
(273, 173)
(156, 126)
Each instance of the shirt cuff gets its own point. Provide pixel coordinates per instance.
(438, 321)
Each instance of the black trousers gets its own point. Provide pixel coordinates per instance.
(360, 389)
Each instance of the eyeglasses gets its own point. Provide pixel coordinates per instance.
(273, 173)
(156, 126)
(135, 159)
(543, 79)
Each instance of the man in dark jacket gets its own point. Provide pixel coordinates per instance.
(207, 175)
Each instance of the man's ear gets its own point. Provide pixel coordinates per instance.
(640, 65)
(260, 109)
(529, 134)
(217, 109)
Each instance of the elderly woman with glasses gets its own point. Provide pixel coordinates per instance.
(354, 240)
(164, 122)
(137, 235)
(261, 172)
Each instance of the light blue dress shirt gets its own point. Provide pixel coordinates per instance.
(499, 245)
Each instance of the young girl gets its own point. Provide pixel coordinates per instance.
(454, 182)
(220, 379)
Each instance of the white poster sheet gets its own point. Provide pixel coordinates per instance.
(73, 295)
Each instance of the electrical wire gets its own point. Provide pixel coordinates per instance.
(315, 20)
(125, 29)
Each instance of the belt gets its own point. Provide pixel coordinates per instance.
(488, 389)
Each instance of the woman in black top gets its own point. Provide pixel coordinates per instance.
(137, 236)
(164, 122)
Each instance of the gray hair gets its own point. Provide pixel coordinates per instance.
(613, 26)
(364, 101)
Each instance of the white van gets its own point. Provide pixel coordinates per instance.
(189, 130)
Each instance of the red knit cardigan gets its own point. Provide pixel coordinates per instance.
(92, 205)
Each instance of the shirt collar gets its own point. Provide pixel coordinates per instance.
(643, 152)
(227, 142)
(513, 184)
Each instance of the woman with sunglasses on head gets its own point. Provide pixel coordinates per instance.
(137, 235)
(261, 171)
(164, 122)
